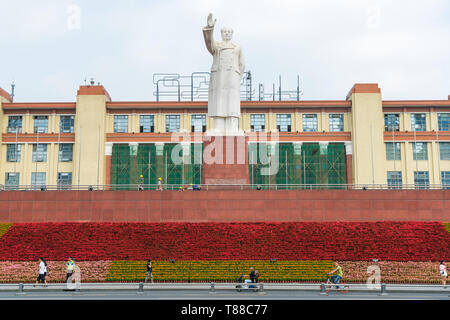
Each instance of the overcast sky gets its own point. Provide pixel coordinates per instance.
(49, 47)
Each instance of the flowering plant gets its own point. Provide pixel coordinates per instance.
(350, 241)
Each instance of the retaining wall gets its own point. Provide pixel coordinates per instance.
(225, 206)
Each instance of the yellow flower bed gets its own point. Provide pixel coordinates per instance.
(4, 227)
(447, 226)
(219, 270)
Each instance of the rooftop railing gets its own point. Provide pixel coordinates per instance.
(208, 187)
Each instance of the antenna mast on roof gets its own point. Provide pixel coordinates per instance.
(13, 85)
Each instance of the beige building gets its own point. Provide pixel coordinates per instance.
(361, 139)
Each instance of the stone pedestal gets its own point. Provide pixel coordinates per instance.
(225, 160)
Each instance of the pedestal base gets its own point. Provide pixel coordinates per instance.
(225, 160)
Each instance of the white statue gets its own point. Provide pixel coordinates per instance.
(224, 103)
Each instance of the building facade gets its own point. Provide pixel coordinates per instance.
(361, 139)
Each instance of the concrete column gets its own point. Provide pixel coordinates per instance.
(90, 136)
(435, 174)
(108, 162)
(349, 161)
(298, 161)
(134, 174)
(159, 148)
(4, 98)
(367, 134)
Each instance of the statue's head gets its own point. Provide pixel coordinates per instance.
(227, 34)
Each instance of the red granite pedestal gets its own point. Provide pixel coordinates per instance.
(225, 160)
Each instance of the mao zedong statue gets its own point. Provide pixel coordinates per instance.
(224, 83)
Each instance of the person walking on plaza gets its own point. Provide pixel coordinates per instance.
(141, 183)
(159, 184)
(149, 271)
(42, 271)
(443, 272)
(70, 264)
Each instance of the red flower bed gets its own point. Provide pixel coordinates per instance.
(395, 241)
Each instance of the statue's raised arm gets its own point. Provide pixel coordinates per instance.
(210, 22)
(208, 34)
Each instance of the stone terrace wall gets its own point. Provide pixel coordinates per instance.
(225, 206)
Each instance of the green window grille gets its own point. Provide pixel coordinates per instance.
(154, 161)
(309, 165)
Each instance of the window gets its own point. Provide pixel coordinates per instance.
(13, 152)
(310, 122)
(66, 124)
(257, 122)
(391, 122)
(38, 179)
(147, 123)
(64, 180)
(121, 123)
(421, 179)
(444, 121)
(39, 152)
(394, 179)
(284, 122)
(40, 124)
(418, 122)
(393, 151)
(445, 178)
(336, 122)
(198, 123)
(444, 150)
(14, 124)
(420, 151)
(12, 180)
(173, 123)
(65, 152)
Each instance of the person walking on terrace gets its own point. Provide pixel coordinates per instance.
(149, 271)
(141, 183)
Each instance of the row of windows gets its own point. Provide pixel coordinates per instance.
(421, 179)
(65, 154)
(38, 179)
(257, 123)
(418, 122)
(420, 151)
(66, 124)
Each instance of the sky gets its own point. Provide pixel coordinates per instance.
(48, 48)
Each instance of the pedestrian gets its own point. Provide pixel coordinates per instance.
(443, 272)
(256, 276)
(149, 271)
(251, 276)
(159, 184)
(70, 264)
(42, 272)
(141, 183)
